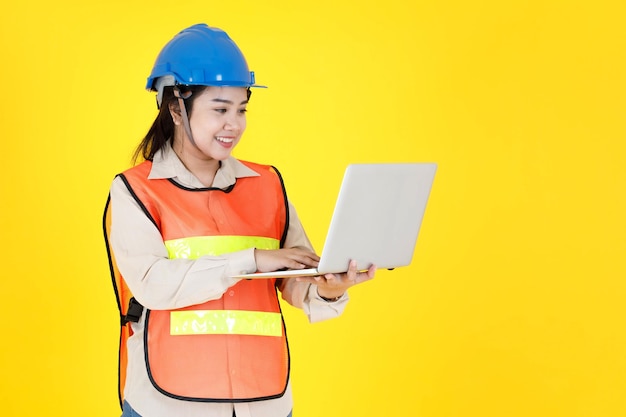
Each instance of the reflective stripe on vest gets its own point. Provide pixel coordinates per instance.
(194, 322)
(256, 323)
(197, 246)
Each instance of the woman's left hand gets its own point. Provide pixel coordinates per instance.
(335, 285)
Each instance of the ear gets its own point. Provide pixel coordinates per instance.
(175, 113)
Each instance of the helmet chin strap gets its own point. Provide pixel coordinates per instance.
(183, 110)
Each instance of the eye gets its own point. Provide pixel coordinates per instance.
(243, 111)
(221, 110)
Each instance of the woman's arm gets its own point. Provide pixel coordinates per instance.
(156, 281)
(304, 295)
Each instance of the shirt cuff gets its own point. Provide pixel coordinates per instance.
(317, 309)
(241, 262)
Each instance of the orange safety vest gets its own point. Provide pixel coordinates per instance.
(232, 349)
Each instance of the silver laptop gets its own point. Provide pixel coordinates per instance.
(376, 220)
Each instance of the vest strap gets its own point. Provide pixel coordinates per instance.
(134, 312)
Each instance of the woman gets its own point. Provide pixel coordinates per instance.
(179, 225)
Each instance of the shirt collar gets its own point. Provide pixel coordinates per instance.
(166, 164)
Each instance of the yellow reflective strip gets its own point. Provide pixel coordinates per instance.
(256, 323)
(197, 246)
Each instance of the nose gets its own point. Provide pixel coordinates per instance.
(235, 123)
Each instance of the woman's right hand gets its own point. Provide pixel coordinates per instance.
(292, 258)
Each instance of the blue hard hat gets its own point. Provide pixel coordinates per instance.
(200, 55)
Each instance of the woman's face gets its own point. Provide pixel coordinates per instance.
(217, 121)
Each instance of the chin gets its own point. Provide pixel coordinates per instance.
(221, 156)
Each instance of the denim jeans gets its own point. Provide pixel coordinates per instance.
(128, 411)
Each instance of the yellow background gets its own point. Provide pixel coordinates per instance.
(514, 303)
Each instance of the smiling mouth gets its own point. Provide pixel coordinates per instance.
(223, 139)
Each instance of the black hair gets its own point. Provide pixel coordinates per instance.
(162, 128)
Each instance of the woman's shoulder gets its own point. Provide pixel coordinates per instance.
(259, 168)
(244, 168)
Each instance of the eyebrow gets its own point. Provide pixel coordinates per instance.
(221, 100)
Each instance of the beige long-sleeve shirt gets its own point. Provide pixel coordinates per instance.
(161, 283)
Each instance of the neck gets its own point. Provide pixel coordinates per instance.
(202, 168)
(205, 172)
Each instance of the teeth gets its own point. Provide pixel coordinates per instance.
(223, 139)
